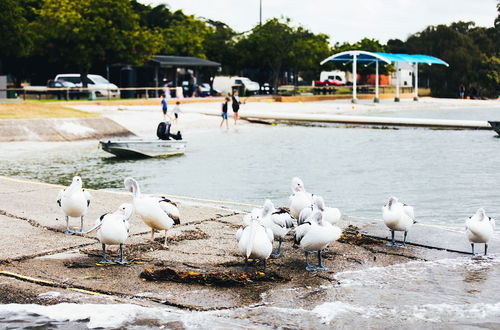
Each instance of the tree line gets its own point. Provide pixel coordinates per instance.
(40, 37)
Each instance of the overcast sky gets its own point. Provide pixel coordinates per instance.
(343, 20)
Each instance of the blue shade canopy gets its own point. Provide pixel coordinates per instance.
(369, 57)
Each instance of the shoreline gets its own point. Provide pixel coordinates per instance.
(121, 119)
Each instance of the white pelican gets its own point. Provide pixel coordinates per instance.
(330, 214)
(315, 235)
(278, 220)
(255, 240)
(299, 199)
(112, 229)
(398, 217)
(158, 213)
(74, 202)
(479, 229)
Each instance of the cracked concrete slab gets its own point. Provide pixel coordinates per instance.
(25, 241)
(203, 242)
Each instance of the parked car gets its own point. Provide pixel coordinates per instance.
(72, 93)
(266, 89)
(224, 84)
(61, 89)
(99, 84)
(204, 90)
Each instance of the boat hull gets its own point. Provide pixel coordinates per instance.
(135, 148)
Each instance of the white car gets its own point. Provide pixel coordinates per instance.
(99, 84)
(224, 84)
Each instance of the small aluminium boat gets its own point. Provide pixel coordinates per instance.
(133, 148)
(496, 126)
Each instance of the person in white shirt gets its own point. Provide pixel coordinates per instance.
(176, 111)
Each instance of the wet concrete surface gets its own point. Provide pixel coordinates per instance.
(36, 257)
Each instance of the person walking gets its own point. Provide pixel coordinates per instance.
(224, 112)
(461, 91)
(236, 106)
(164, 107)
(176, 111)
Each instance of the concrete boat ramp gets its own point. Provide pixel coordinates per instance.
(40, 264)
(366, 120)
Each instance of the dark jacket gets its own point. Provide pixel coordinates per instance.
(235, 103)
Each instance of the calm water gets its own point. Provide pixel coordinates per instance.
(445, 175)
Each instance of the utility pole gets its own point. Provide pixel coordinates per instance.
(260, 12)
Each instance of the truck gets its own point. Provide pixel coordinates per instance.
(331, 78)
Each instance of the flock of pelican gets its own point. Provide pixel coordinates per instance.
(159, 213)
(314, 225)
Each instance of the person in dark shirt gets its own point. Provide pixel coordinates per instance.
(236, 106)
(224, 112)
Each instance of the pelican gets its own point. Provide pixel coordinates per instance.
(330, 214)
(74, 202)
(398, 217)
(113, 229)
(479, 229)
(159, 213)
(299, 199)
(278, 220)
(315, 235)
(255, 240)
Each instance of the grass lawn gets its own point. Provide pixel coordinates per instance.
(36, 109)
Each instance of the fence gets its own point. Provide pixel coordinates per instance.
(34, 92)
(363, 89)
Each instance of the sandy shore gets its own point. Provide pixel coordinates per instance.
(142, 119)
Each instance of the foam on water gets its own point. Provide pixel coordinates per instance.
(434, 313)
(108, 316)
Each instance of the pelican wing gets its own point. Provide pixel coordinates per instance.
(269, 234)
(88, 196)
(170, 209)
(170, 201)
(408, 210)
(301, 231)
(304, 214)
(60, 196)
(282, 219)
(238, 234)
(492, 222)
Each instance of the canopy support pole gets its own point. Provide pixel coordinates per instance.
(376, 99)
(396, 99)
(354, 77)
(415, 88)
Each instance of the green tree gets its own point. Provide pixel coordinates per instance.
(276, 47)
(88, 31)
(308, 51)
(220, 46)
(17, 40)
(471, 52)
(184, 36)
(269, 46)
